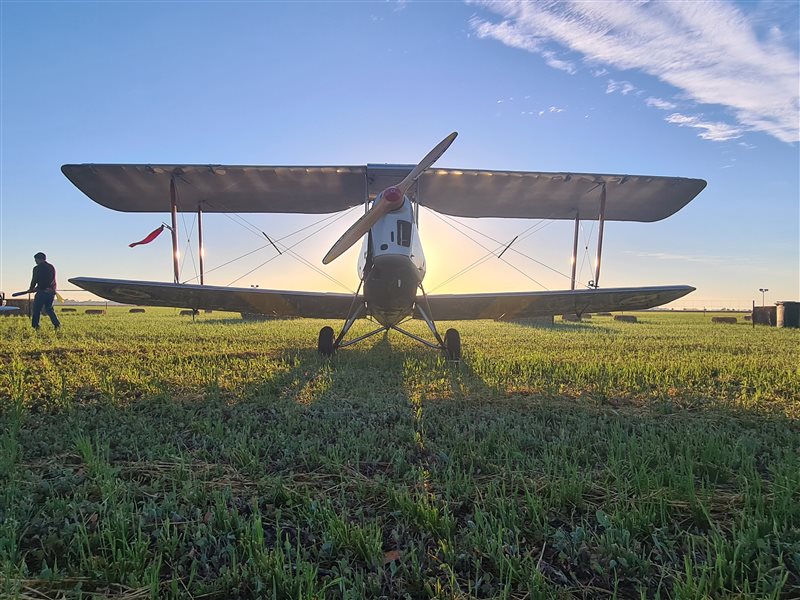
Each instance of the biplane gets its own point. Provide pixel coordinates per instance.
(391, 264)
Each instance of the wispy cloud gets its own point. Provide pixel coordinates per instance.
(551, 110)
(712, 52)
(553, 61)
(718, 132)
(659, 103)
(623, 87)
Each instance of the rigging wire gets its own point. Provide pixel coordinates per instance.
(466, 269)
(586, 238)
(481, 260)
(535, 228)
(225, 264)
(188, 251)
(525, 234)
(287, 249)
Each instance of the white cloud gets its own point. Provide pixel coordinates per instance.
(552, 109)
(717, 132)
(659, 103)
(712, 52)
(553, 61)
(623, 87)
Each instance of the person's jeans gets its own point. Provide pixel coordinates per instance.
(43, 301)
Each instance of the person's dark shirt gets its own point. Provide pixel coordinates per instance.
(44, 277)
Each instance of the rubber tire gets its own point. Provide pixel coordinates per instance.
(452, 342)
(325, 341)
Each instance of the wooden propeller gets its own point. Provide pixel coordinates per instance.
(388, 200)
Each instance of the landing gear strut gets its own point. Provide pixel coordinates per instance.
(451, 344)
(328, 341)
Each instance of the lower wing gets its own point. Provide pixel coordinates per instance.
(445, 307)
(275, 303)
(521, 305)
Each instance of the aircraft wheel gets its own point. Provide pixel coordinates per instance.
(452, 342)
(325, 342)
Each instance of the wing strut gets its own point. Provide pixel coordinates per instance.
(200, 239)
(174, 210)
(600, 235)
(575, 250)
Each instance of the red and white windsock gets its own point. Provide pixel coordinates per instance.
(150, 237)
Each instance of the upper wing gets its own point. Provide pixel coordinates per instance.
(325, 189)
(248, 300)
(470, 193)
(524, 194)
(221, 188)
(520, 305)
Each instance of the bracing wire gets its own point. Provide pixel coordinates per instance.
(255, 230)
(188, 232)
(484, 258)
(525, 234)
(225, 264)
(188, 251)
(586, 238)
(535, 228)
(288, 250)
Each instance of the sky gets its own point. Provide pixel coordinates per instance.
(688, 89)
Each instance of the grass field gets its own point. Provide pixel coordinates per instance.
(152, 456)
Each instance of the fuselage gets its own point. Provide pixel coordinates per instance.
(392, 265)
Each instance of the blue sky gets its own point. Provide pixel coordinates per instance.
(706, 90)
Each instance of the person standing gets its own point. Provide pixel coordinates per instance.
(43, 283)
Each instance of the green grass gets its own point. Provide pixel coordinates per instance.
(152, 456)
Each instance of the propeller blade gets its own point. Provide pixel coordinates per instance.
(388, 200)
(358, 229)
(426, 162)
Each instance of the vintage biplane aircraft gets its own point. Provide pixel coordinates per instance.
(391, 265)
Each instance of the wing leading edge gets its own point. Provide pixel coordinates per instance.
(521, 305)
(274, 303)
